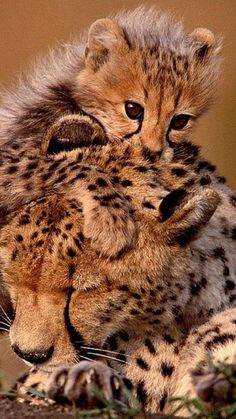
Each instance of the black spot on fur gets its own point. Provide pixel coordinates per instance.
(226, 271)
(163, 401)
(12, 169)
(126, 183)
(19, 238)
(149, 345)
(123, 288)
(141, 169)
(69, 226)
(142, 364)
(24, 219)
(39, 243)
(14, 254)
(150, 156)
(205, 180)
(168, 339)
(101, 182)
(219, 340)
(230, 285)
(128, 384)
(149, 205)
(221, 179)
(71, 270)
(167, 369)
(233, 200)
(233, 234)
(77, 243)
(206, 165)
(141, 393)
(186, 236)
(92, 187)
(219, 252)
(178, 171)
(71, 252)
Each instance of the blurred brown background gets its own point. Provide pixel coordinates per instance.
(29, 27)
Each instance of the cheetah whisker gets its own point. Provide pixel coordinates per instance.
(4, 323)
(7, 317)
(4, 329)
(104, 350)
(86, 358)
(92, 360)
(110, 357)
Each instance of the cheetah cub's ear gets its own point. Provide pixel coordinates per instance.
(184, 215)
(206, 43)
(104, 36)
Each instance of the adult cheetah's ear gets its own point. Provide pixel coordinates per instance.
(184, 215)
(104, 36)
(71, 132)
(206, 42)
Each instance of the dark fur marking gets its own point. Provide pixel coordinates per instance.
(75, 337)
(163, 401)
(71, 252)
(178, 171)
(149, 345)
(205, 180)
(230, 285)
(186, 236)
(167, 369)
(19, 238)
(219, 340)
(101, 182)
(71, 270)
(142, 364)
(168, 339)
(141, 393)
(149, 205)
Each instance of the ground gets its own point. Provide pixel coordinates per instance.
(11, 409)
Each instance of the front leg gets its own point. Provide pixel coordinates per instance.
(108, 220)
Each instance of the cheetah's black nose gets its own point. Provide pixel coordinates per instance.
(37, 357)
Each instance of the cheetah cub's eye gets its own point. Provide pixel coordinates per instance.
(134, 110)
(179, 122)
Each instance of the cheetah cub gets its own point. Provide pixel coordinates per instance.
(165, 83)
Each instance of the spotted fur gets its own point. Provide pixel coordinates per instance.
(158, 308)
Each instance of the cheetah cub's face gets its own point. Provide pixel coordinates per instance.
(66, 298)
(152, 82)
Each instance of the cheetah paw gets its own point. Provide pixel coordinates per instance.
(77, 384)
(30, 387)
(112, 230)
(213, 387)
